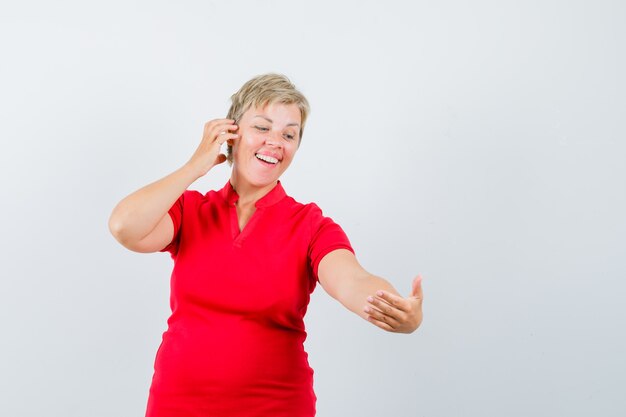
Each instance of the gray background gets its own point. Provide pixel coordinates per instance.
(479, 143)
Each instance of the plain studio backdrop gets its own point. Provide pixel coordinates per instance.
(480, 143)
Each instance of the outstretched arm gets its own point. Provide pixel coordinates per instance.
(369, 296)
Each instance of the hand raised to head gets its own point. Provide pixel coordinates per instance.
(207, 155)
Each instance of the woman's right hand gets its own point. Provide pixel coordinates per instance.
(216, 132)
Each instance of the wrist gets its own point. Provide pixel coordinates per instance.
(190, 172)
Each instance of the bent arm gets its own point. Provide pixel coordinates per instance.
(369, 296)
(140, 221)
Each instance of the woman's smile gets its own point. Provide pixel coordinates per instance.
(267, 158)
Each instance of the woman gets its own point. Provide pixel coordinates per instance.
(246, 259)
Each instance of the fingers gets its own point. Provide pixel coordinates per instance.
(219, 130)
(218, 124)
(416, 289)
(223, 136)
(394, 300)
(383, 325)
(382, 312)
(392, 319)
(381, 319)
(384, 308)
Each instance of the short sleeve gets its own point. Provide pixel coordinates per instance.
(326, 236)
(176, 214)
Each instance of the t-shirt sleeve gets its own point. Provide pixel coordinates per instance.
(176, 214)
(326, 236)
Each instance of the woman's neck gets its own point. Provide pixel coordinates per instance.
(249, 194)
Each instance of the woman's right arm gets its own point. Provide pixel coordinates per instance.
(140, 221)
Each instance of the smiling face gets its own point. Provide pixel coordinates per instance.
(268, 140)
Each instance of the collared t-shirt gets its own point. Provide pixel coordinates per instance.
(234, 343)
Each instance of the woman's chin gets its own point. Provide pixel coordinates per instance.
(257, 179)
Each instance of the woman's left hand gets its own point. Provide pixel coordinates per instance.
(394, 313)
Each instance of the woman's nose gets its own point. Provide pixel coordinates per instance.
(273, 139)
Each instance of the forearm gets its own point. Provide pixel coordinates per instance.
(139, 213)
(363, 285)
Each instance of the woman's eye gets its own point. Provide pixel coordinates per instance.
(261, 128)
(290, 136)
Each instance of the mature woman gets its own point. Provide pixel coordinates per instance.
(246, 259)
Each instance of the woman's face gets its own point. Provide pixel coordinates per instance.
(268, 140)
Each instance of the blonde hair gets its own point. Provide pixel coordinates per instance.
(263, 90)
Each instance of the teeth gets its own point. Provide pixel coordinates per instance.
(267, 158)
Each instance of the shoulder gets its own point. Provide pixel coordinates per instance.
(194, 197)
(311, 215)
(304, 210)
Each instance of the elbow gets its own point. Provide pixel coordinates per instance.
(119, 228)
(116, 227)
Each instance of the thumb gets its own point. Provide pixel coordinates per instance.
(416, 290)
(220, 158)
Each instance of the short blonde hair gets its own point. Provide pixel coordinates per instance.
(263, 90)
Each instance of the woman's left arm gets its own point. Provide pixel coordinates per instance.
(369, 296)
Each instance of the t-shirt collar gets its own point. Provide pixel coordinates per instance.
(274, 196)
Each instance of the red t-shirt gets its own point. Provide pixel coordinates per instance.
(234, 343)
